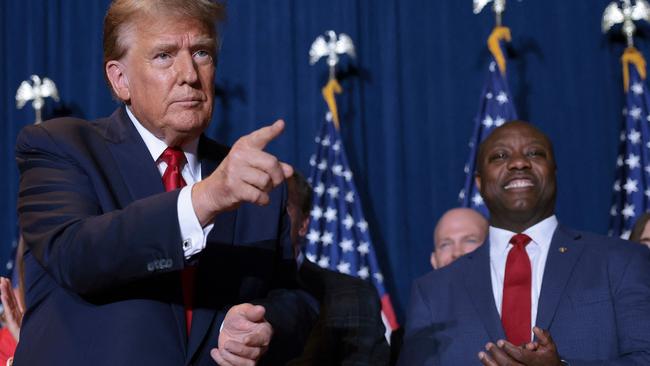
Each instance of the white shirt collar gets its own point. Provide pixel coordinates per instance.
(156, 146)
(540, 233)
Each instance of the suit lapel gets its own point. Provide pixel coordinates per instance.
(479, 287)
(135, 164)
(142, 179)
(562, 256)
(210, 155)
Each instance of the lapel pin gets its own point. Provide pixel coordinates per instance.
(563, 249)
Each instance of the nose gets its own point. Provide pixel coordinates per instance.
(186, 68)
(518, 161)
(458, 251)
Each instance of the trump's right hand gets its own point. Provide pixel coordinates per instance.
(247, 174)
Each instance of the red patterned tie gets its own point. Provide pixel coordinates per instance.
(173, 179)
(516, 305)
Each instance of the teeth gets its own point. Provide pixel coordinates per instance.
(519, 183)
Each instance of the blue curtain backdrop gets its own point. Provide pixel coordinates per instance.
(407, 109)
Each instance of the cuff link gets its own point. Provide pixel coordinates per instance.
(187, 244)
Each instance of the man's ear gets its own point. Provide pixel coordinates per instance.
(304, 225)
(434, 262)
(477, 181)
(115, 71)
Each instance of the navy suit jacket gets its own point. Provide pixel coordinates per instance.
(595, 300)
(104, 251)
(349, 330)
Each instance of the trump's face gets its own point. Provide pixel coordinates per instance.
(166, 76)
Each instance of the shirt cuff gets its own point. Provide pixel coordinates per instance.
(194, 236)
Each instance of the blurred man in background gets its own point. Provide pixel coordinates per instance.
(458, 232)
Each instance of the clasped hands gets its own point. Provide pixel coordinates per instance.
(542, 352)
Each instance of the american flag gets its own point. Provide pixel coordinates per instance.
(631, 196)
(496, 107)
(338, 237)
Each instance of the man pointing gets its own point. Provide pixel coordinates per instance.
(148, 243)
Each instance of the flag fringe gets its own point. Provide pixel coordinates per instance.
(632, 56)
(499, 34)
(332, 87)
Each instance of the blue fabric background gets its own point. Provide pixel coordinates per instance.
(407, 110)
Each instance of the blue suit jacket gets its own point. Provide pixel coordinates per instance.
(104, 251)
(595, 300)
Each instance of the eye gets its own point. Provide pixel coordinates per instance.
(162, 56)
(498, 155)
(202, 56)
(536, 153)
(443, 245)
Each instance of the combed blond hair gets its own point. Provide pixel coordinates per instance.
(124, 13)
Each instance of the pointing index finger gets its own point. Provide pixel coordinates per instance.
(258, 139)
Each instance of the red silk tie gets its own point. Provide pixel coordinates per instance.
(173, 179)
(516, 305)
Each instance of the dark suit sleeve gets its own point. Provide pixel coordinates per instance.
(418, 345)
(630, 284)
(80, 244)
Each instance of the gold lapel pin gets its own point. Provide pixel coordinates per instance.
(563, 249)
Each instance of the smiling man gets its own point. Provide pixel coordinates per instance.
(147, 242)
(537, 293)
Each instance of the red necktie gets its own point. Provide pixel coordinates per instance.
(516, 305)
(173, 179)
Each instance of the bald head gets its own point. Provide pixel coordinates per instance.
(458, 232)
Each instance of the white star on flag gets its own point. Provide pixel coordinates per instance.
(348, 222)
(349, 197)
(319, 189)
(637, 88)
(612, 211)
(346, 245)
(619, 161)
(363, 248)
(337, 169)
(363, 272)
(343, 267)
(635, 113)
(313, 236)
(347, 175)
(322, 165)
(477, 200)
(630, 186)
(324, 262)
(327, 238)
(634, 136)
(362, 225)
(617, 186)
(311, 257)
(499, 121)
(379, 277)
(326, 141)
(488, 122)
(330, 214)
(628, 211)
(632, 161)
(316, 212)
(502, 98)
(333, 191)
(647, 192)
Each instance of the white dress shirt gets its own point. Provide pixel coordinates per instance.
(193, 235)
(541, 235)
